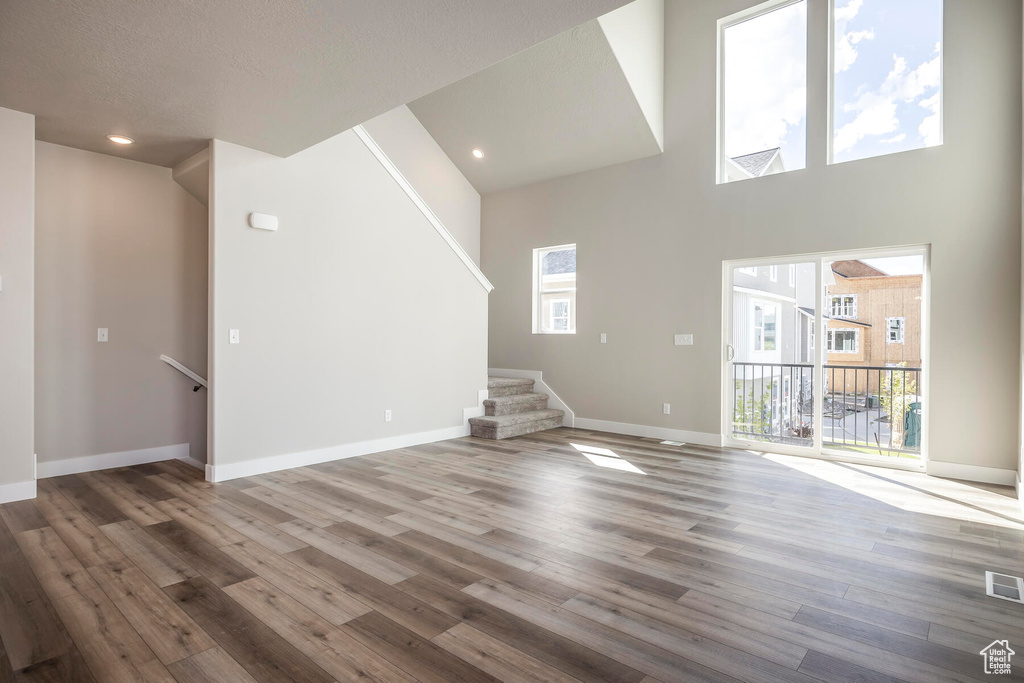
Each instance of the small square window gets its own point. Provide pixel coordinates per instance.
(554, 290)
(843, 341)
(895, 330)
(843, 306)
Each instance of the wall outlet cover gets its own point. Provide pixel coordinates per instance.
(684, 340)
(234, 337)
(102, 334)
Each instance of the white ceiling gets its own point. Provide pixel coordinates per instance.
(273, 75)
(563, 106)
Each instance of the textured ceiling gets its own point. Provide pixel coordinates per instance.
(274, 75)
(561, 107)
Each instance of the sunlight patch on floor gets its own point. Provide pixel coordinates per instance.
(913, 491)
(603, 457)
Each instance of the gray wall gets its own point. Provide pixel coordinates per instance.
(355, 305)
(119, 245)
(652, 234)
(17, 157)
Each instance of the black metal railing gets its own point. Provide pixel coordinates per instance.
(774, 402)
(868, 409)
(874, 410)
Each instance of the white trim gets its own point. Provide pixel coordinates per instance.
(105, 461)
(554, 401)
(21, 490)
(182, 369)
(760, 293)
(276, 463)
(475, 411)
(431, 217)
(665, 433)
(985, 475)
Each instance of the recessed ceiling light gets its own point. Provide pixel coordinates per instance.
(120, 139)
(478, 153)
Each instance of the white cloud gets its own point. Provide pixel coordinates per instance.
(876, 110)
(929, 128)
(846, 42)
(896, 139)
(765, 79)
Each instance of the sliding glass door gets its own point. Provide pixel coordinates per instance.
(825, 355)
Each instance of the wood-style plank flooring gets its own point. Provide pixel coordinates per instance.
(566, 555)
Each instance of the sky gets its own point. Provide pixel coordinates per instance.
(887, 80)
(898, 265)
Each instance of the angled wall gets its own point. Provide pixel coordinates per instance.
(354, 306)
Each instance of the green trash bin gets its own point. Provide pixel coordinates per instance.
(912, 426)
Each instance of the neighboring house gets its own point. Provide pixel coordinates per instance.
(766, 162)
(873, 321)
(773, 334)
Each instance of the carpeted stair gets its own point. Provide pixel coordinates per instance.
(512, 409)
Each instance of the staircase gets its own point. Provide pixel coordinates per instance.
(512, 409)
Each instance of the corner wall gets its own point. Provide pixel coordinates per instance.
(652, 234)
(354, 306)
(17, 180)
(119, 245)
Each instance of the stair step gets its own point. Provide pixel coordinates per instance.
(516, 424)
(516, 403)
(508, 386)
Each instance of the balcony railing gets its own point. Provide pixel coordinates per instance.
(870, 410)
(774, 402)
(873, 410)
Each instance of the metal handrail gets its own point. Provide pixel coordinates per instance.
(183, 370)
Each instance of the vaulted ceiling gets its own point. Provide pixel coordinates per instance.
(273, 75)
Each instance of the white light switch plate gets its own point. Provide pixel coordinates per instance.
(233, 337)
(102, 334)
(604, 338)
(666, 408)
(387, 416)
(684, 340)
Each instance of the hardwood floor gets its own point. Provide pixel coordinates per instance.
(565, 555)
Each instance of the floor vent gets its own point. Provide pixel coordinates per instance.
(1004, 587)
(673, 443)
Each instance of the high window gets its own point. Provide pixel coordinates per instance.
(773, 273)
(886, 85)
(843, 341)
(762, 86)
(554, 290)
(843, 306)
(895, 330)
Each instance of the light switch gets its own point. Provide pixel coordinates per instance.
(604, 338)
(102, 334)
(666, 408)
(233, 337)
(684, 340)
(387, 416)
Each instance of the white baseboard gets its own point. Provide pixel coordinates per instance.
(699, 438)
(22, 490)
(105, 461)
(985, 475)
(476, 411)
(275, 463)
(541, 387)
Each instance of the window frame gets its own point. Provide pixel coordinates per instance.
(830, 341)
(773, 273)
(842, 306)
(727, 22)
(830, 108)
(902, 329)
(792, 275)
(539, 292)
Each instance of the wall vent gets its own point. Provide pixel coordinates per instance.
(1004, 587)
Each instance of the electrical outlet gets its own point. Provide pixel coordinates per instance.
(604, 338)
(666, 408)
(102, 334)
(684, 340)
(233, 337)
(387, 416)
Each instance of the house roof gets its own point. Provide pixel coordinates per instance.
(810, 311)
(849, 269)
(755, 164)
